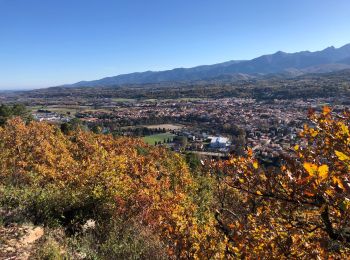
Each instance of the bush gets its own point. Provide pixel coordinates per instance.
(49, 250)
(56, 179)
(120, 240)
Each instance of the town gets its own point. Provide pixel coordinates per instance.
(208, 127)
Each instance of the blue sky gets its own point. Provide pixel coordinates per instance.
(51, 42)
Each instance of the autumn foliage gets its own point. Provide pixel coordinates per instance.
(300, 210)
(236, 208)
(91, 176)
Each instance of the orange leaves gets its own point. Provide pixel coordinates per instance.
(326, 110)
(308, 193)
(294, 196)
(153, 187)
(250, 152)
(238, 206)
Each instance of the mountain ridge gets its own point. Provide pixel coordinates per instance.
(293, 64)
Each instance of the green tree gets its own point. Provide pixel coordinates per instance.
(9, 111)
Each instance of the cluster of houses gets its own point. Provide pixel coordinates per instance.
(49, 116)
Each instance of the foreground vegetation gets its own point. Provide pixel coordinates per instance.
(119, 198)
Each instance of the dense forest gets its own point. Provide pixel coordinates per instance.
(147, 202)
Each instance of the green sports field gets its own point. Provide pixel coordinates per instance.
(151, 139)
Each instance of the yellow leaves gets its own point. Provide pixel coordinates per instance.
(233, 160)
(338, 182)
(343, 128)
(310, 168)
(263, 177)
(320, 174)
(330, 192)
(346, 203)
(314, 171)
(313, 132)
(341, 156)
(323, 171)
(98, 192)
(159, 186)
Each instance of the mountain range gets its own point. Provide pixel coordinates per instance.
(286, 64)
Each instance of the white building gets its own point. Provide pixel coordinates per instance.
(219, 142)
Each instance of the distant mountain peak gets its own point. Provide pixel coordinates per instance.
(280, 53)
(330, 48)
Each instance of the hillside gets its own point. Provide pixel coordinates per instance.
(280, 86)
(100, 197)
